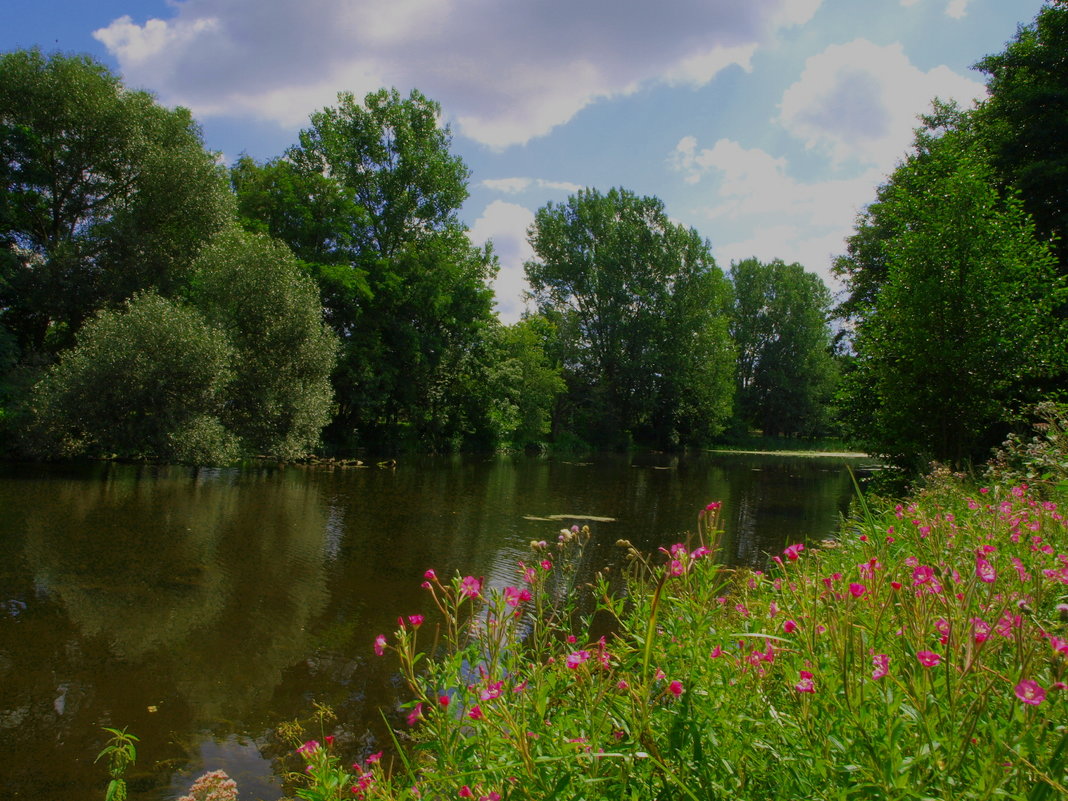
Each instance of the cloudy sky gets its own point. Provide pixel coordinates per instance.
(764, 124)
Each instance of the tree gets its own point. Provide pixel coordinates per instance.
(1024, 122)
(103, 193)
(951, 343)
(403, 288)
(251, 288)
(785, 374)
(641, 306)
(146, 381)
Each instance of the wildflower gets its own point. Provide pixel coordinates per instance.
(677, 568)
(1030, 692)
(792, 552)
(465, 792)
(622, 684)
(415, 621)
(896, 585)
(805, 685)
(492, 691)
(430, 575)
(443, 700)
(415, 714)
(985, 571)
(546, 564)
(309, 747)
(928, 658)
(576, 658)
(699, 552)
(513, 596)
(881, 663)
(377, 757)
(380, 644)
(713, 506)
(476, 713)
(857, 590)
(980, 630)
(789, 626)
(675, 688)
(470, 587)
(659, 674)
(716, 653)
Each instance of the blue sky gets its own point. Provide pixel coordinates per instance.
(764, 124)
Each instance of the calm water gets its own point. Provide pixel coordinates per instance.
(200, 608)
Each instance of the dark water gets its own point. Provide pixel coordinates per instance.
(200, 608)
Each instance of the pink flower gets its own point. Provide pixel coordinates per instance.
(380, 644)
(716, 653)
(513, 596)
(622, 684)
(1030, 692)
(980, 630)
(309, 747)
(805, 685)
(465, 792)
(789, 626)
(713, 506)
(857, 590)
(675, 688)
(492, 691)
(430, 575)
(576, 658)
(443, 700)
(476, 713)
(470, 587)
(881, 663)
(374, 758)
(928, 658)
(415, 620)
(415, 714)
(793, 551)
(677, 568)
(985, 571)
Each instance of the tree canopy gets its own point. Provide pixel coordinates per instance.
(640, 307)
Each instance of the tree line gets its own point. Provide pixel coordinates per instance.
(157, 304)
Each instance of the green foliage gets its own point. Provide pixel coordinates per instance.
(121, 753)
(148, 381)
(103, 193)
(957, 330)
(369, 200)
(1042, 460)
(786, 374)
(251, 288)
(640, 308)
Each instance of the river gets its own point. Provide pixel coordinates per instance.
(201, 607)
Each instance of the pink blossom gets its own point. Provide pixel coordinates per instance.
(677, 568)
(857, 590)
(443, 700)
(492, 691)
(430, 575)
(716, 653)
(309, 747)
(465, 792)
(476, 713)
(622, 684)
(928, 658)
(980, 630)
(576, 658)
(380, 644)
(881, 663)
(470, 587)
(805, 685)
(792, 552)
(415, 620)
(513, 596)
(415, 714)
(713, 506)
(985, 571)
(1030, 692)
(546, 564)
(675, 688)
(789, 626)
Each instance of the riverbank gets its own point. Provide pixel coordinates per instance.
(921, 655)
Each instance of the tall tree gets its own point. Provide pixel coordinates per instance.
(785, 375)
(952, 340)
(641, 305)
(402, 285)
(102, 193)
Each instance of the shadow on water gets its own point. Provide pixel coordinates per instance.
(200, 608)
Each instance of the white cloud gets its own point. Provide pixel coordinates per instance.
(859, 101)
(811, 220)
(503, 72)
(506, 225)
(954, 8)
(513, 186)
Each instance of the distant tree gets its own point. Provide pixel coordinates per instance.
(251, 288)
(953, 338)
(403, 287)
(103, 193)
(785, 376)
(146, 381)
(641, 308)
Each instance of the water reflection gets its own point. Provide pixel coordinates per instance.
(200, 608)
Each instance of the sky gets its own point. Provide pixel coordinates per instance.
(765, 124)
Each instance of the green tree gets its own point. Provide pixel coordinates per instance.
(103, 193)
(251, 288)
(403, 287)
(641, 308)
(785, 374)
(952, 341)
(146, 381)
(1024, 121)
